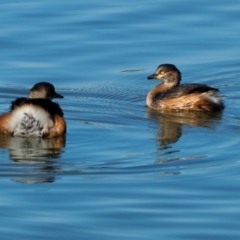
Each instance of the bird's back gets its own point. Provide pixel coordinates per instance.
(185, 89)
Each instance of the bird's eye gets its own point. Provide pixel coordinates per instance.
(162, 72)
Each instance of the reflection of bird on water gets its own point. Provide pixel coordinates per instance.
(32, 149)
(171, 95)
(35, 116)
(34, 158)
(171, 123)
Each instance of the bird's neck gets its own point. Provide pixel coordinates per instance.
(156, 92)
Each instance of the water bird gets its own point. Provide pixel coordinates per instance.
(170, 95)
(35, 116)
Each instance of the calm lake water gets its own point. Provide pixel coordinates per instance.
(122, 171)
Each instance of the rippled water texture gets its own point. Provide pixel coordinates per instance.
(122, 171)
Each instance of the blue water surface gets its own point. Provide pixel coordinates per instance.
(122, 171)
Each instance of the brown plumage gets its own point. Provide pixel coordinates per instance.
(36, 116)
(171, 96)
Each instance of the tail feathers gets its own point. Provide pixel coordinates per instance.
(213, 100)
(30, 121)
